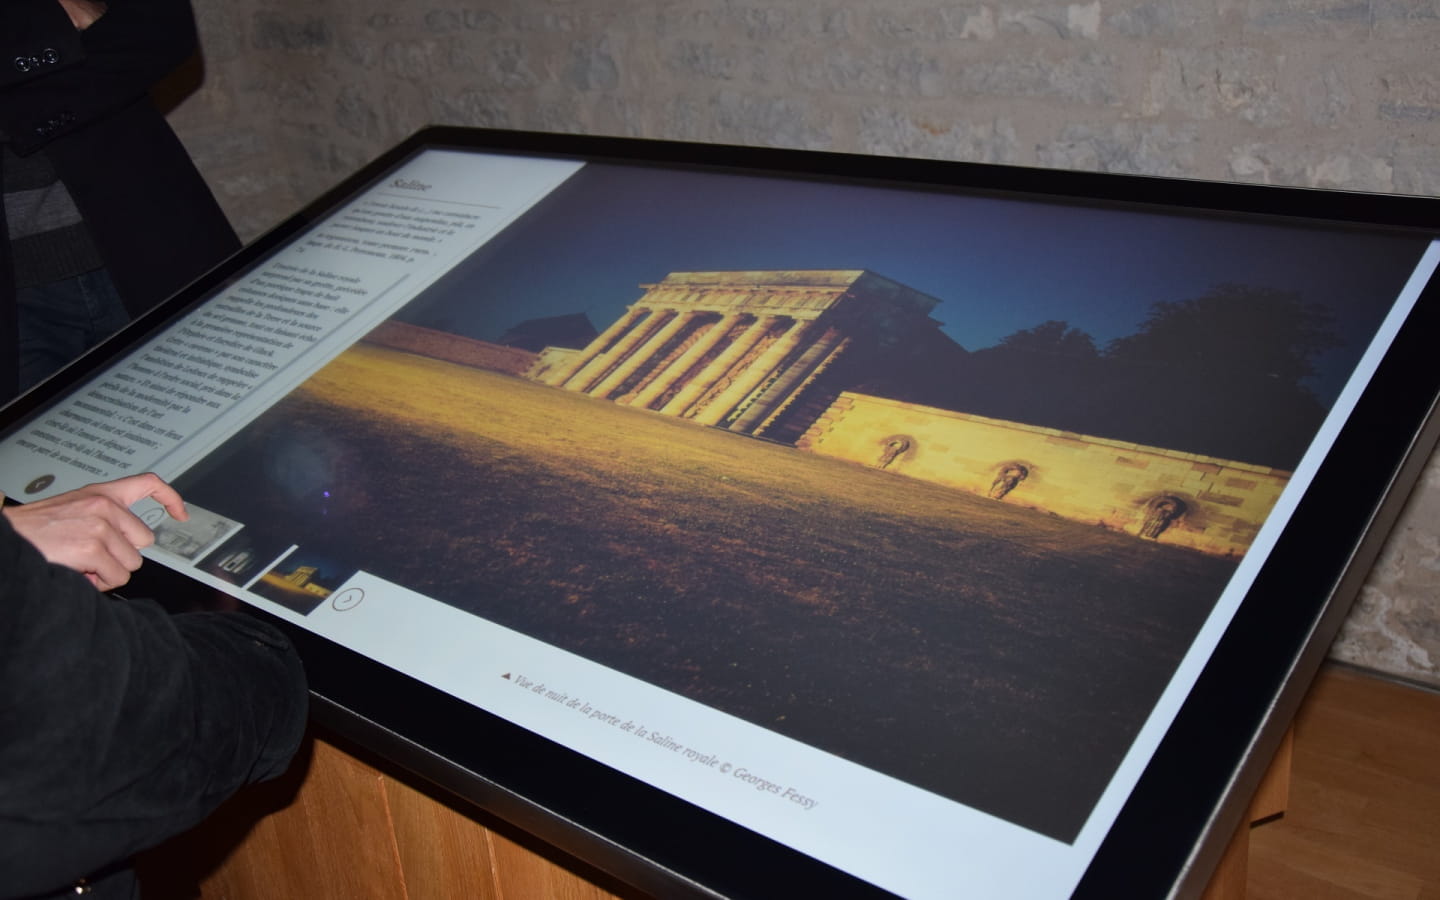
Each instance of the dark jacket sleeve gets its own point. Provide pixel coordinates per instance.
(80, 77)
(121, 725)
(36, 39)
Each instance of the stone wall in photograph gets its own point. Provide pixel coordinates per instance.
(1212, 505)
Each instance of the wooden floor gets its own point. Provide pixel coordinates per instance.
(1363, 821)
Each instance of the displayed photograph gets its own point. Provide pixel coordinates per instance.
(243, 557)
(192, 537)
(942, 485)
(303, 580)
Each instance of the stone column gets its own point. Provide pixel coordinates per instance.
(595, 370)
(705, 380)
(643, 353)
(783, 387)
(667, 379)
(754, 375)
(558, 377)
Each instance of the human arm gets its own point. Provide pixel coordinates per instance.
(124, 725)
(92, 530)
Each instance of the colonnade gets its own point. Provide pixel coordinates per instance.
(729, 349)
(734, 369)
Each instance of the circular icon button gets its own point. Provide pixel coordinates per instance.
(347, 599)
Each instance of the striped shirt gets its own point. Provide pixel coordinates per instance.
(48, 237)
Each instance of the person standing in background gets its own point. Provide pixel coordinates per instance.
(105, 213)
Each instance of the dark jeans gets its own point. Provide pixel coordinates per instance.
(62, 319)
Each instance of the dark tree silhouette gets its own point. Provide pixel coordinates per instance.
(1052, 338)
(1046, 375)
(1223, 374)
(1234, 328)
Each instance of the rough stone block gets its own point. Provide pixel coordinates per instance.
(1127, 147)
(1348, 19)
(592, 65)
(937, 134)
(1410, 96)
(1089, 78)
(451, 21)
(1417, 166)
(480, 108)
(412, 60)
(1164, 20)
(704, 59)
(1326, 96)
(273, 31)
(743, 118)
(877, 72)
(1203, 83)
(1405, 20)
(1310, 165)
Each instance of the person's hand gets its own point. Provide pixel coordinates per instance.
(83, 13)
(92, 530)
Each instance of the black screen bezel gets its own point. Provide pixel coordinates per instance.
(1170, 831)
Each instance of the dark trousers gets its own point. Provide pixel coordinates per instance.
(60, 320)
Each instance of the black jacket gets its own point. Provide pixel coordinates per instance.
(83, 98)
(122, 725)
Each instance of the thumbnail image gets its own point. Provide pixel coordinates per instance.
(241, 558)
(195, 535)
(302, 580)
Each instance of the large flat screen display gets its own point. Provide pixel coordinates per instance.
(876, 518)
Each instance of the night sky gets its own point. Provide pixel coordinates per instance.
(996, 265)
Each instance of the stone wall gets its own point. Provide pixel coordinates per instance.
(451, 348)
(1105, 483)
(1328, 93)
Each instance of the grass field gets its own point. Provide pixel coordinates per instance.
(988, 653)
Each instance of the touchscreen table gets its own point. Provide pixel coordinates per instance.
(871, 518)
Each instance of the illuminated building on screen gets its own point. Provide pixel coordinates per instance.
(848, 364)
(759, 353)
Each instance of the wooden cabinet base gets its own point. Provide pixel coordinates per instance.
(339, 827)
(1232, 872)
